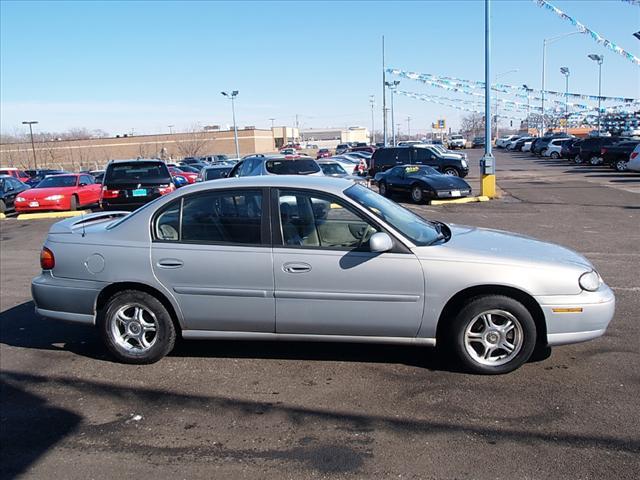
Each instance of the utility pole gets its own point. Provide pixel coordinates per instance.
(233, 96)
(372, 101)
(529, 90)
(487, 162)
(409, 127)
(384, 98)
(392, 86)
(33, 147)
(565, 72)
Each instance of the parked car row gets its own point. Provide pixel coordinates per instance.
(611, 151)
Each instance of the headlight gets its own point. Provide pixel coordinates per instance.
(590, 281)
(464, 163)
(54, 197)
(20, 199)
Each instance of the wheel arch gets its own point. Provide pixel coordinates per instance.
(461, 298)
(110, 290)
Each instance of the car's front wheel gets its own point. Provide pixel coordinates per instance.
(594, 161)
(417, 194)
(577, 159)
(451, 171)
(555, 155)
(621, 165)
(383, 190)
(137, 328)
(493, 334)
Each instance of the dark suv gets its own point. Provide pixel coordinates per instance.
(385, 158)
(129, 184)
(590, 149)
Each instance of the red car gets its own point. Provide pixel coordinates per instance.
(323, 153)
(15, 173)
(191, 177)
(59, 192)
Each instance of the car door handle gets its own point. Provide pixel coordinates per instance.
(296, 267)
(170, 263)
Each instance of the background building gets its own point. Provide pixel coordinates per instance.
(330, 137)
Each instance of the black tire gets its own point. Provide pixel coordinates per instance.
(165, 333)
(594, 161)
(524, 333)
(73, 204)
(555, 155)
(417, 194)
(578, 160)
(3, 206)
(451, 171)
(383, 190)
(620, 166)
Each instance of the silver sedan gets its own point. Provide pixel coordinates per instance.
(314, 258)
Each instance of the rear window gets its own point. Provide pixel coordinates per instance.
(301, 166)
(146, 171)
(332, 169)
(62, 181)
(214, 173)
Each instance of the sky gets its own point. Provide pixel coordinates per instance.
(142, 66)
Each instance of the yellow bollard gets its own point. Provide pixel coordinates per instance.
(488, 186)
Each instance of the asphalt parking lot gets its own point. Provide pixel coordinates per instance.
(291, 410)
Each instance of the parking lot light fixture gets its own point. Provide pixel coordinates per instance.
(496, 81)
(372, 101)
(392, 87)
(232, 96)
(33, 147)
(529, 90)
(599, 59)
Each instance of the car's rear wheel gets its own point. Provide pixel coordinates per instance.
(621, 165)
(73, 204)
(555, 155)
(493, 334)
(577, 159)
(383, 190)
(451, 171)
(137, 328)
(417, 194)
(3, 206)
(594, 161)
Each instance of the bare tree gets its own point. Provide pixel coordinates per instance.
(194, 143)
(472, 124)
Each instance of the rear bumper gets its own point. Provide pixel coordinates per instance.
(65, 299)
(577, 318)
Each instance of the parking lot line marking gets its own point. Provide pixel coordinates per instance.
(37, 216)
(481, 198)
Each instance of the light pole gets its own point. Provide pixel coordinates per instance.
(392, 86)
(409, 127)
(545, 42)
(487, 162)
(599, 59)
(496, 81)
(529, 90)
(233, 96)
(565, 71)
(33, 147)
(170, 129)
(272, 120)
(372, 101)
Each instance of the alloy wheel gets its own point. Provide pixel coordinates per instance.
(493, 338)
(134, 328)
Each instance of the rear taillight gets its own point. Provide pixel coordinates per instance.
(106, 193)
(164, 189)
(603, 151)
(47, 260)
(634, 155)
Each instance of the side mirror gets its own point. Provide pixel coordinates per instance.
(380, 242)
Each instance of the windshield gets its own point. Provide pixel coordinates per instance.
(63, 181)
(332, 169)
(213, 173)
(456, 137)
(422, 170)
(415, 228)
(301, 166)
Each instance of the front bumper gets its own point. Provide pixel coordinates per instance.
(452, 193)
(577, 318)
(65, 299)
(43, 205)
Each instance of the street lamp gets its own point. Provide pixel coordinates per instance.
(565, 71)
(170, 129)
(545, 42)
(496, 81)
(232, 97)
(33, 148)
(392, 86)
(529, 90)
(409, 127)
(599, 59)
(372, 101)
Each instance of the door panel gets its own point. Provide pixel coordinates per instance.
(326, 280)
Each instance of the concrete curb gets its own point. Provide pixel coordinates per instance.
(38, 216)
(481, 198)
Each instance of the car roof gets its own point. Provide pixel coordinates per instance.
(218, 166)
(326, 184)
(132, 160)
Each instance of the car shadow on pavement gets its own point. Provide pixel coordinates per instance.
(20, 326)
(30, 428)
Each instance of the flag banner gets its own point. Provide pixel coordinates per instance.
(587, 31)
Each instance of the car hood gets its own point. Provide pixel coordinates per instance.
(497, 246)
(45, 192)
(442, 181)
